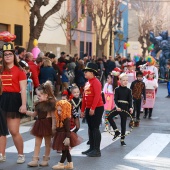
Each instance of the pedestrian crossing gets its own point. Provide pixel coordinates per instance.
(148, 149)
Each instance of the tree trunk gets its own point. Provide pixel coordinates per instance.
(35, 34)
(100, 50)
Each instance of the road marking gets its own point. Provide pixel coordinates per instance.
(28, 145)
(106, 141)
(150, 148)
(22, 129)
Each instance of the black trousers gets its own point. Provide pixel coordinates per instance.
(150, 112)
(137, 107)
(123, 117)
(93, 125)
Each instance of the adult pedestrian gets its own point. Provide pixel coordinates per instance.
(92, 108)
(34, 69)
(13, 100)
(47, 72)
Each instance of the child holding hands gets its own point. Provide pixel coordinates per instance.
(42, 128)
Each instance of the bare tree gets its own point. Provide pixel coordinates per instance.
(105, 14)
(37, 20)
(69, 20)
(151, 17)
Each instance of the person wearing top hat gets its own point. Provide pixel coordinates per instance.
(92, 108)
(13, 99)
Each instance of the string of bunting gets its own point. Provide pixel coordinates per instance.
(131, 127)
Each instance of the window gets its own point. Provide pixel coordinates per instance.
(19, 34)
(89, 23)
(89, 48)
(82, 9)
(81, 49)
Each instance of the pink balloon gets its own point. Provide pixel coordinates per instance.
(35, 52)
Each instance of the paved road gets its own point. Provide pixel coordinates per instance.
(148, 146)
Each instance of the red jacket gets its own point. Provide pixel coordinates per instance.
(92, 95)
(35, 73)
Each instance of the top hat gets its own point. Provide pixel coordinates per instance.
(91, 67)
(8, 47)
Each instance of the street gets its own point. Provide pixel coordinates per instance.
(148, 146)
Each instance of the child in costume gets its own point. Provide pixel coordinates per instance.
(92, 108)
(108, 90)
(76, 104)
(42, 128)
(130, 73)
(151, 84)
(138, 90)
(123, 101)
(63, 138)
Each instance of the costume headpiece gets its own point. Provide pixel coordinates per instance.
(116, 71)
(8, 47)
(92, 67)
(130, 63)
(66, 112)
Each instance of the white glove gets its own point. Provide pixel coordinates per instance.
(66, 141)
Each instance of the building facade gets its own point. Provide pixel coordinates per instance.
(15, 19)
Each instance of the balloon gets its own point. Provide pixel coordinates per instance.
(35, 42)
(35, 52)
(127, 44)
(151, 47)
(7, 37)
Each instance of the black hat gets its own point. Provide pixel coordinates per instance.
(8, 47)
(92, 67)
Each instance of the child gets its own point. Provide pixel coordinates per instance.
(63, 138)
(138, 89)
(108, 90)
(168, 79)
(42, 127)
(151, 84)
(76, 104)
(92, 108)
(130, 73)
(123, 101)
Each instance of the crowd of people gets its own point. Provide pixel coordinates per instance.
(89, 88)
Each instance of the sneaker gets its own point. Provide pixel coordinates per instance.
(117, 133)
(123, 143)
(2, 158)
(21, 159)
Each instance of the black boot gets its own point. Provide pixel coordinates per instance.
(150, 113)
(146, 113)
(91, 143)
(122, 142)
(117, 134)
(97, 139)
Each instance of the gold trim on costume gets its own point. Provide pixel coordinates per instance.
(123, 101)
(90, 69)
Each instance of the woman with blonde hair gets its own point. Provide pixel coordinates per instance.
(47, 72)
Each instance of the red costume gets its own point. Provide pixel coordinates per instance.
(92, 95)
